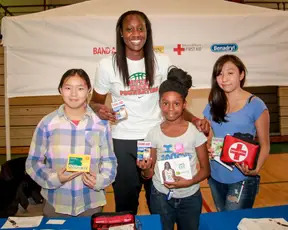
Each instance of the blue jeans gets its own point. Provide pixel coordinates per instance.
(185, 212)
(230, 197)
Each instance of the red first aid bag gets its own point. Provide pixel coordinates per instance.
(237, 149)
(105, 220)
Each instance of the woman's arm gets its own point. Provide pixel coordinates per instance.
(262, 127)
(201, 124)
(98, 98)
(97, 103)
(173, 172)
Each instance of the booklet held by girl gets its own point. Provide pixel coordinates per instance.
(217, 145)
(174, 167)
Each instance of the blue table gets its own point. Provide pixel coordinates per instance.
(230, 220)
(148, 222)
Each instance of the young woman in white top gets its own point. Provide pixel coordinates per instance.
(133, 74)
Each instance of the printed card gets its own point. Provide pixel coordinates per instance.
(120, 110)
(78, 163)
(143, 150)
(217, 145)
(174, 167)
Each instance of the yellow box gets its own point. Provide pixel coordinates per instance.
(78, 163)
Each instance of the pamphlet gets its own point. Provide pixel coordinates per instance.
(217, 145)
(174, 167)
(78, 163)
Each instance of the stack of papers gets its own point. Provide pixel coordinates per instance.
(22, 222)
(263, 224)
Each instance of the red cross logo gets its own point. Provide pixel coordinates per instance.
(238, 151)
(179, 49)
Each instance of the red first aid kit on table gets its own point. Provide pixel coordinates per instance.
(237, 149)
(104, 221)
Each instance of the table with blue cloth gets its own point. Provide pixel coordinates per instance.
(148, 222)
(230, 219)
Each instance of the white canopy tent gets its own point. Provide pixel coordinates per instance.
(40, 47)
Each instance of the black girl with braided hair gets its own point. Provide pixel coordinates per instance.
(177, 201)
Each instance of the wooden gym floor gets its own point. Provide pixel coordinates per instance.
(273, 189)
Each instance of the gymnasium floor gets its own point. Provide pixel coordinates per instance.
(273, 186)
(273, 189)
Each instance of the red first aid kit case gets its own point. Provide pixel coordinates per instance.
(105, 220)
(237, 149)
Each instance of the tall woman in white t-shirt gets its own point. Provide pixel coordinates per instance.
(133, 74)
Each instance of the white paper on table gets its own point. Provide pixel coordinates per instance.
(217, 158)
(22, 222)
(263, 224)
(55, 221)
(123, 227)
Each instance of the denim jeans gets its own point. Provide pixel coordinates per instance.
(185, 212)
(234, 196)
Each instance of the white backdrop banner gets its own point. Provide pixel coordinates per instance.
(40, 47)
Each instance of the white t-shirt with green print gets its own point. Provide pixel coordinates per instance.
(141, 101)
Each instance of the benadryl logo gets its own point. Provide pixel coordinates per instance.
(224, 47)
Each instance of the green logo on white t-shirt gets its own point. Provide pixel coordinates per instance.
(138, 85)
(138, 76)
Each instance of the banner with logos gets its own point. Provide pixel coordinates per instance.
(40, 47)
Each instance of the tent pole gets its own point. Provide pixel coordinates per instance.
(7, 114)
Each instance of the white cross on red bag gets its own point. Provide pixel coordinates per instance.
(236, 150)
